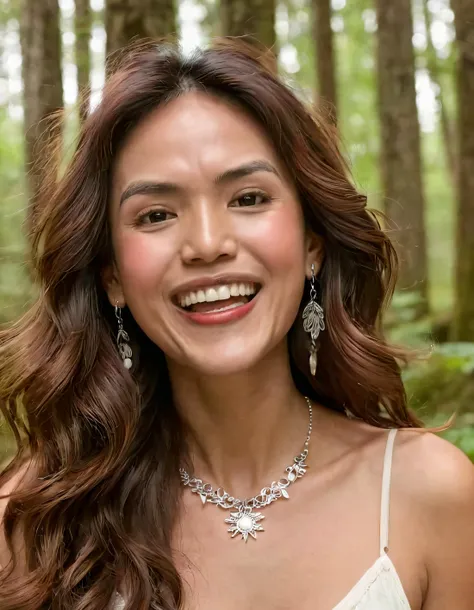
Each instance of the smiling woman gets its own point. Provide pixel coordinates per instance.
(211, 287)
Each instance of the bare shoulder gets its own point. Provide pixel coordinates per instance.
(431, 478)
(436, 472)
(435, 482)
(425, 465)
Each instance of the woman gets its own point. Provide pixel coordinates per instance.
(211, 285)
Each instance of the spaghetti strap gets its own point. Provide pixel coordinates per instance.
(385, 501)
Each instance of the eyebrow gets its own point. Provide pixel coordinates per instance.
(246, 169)
(145, 187)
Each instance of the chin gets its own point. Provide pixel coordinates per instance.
(226, 362)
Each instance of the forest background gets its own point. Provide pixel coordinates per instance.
(395, 76)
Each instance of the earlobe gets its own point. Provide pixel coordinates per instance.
(112, 286)
(314, 254)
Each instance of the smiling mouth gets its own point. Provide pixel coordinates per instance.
(222, 297)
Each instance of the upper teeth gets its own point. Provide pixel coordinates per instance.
(216, 293)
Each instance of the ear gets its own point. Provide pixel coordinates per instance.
(314, 253)
(111, 282)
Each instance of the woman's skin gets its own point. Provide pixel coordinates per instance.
(233, 387)
(232, 384)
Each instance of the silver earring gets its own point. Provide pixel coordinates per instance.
(124, 348)
(313, 322)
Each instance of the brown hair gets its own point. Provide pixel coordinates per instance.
(104, 443)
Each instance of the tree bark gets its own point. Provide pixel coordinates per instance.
(82, 27)
(325, 65)
(463, 327)
(40, 39)
(253, 20)
(400, 144)
(130, 20)
(447, 127)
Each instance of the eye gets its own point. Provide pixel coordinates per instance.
(153, 217)
(250, 200)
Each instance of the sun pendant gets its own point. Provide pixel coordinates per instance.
(245, 523)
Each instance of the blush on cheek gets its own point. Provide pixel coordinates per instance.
(143, 260)
(281, 240)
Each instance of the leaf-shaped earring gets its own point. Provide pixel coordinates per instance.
(313, 322)
(124, 348)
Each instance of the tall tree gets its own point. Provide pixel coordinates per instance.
(82, 27)
(325, 65)
(447, 125)
(400, 143)
(40, 39)
(464, 292)
(127, 20)
(250, 19)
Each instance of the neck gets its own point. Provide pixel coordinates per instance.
(242, 429)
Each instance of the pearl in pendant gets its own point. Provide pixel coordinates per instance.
(245, 524)
(127, 363)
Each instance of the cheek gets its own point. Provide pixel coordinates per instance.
(281, 242)
(142, 260)
(280, 247)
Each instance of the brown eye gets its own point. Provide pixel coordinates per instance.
(154, 217)
(251, 200)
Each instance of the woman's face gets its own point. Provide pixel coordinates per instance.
(208, 233)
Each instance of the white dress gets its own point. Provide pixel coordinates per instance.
(380, 587)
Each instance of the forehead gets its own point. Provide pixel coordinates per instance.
(195, 133)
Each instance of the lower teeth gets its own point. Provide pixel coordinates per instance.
(233, 306)
(217, 308)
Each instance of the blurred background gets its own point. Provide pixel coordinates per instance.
(395, 76)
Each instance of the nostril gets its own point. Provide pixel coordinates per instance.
(206, 246)
(208, 258)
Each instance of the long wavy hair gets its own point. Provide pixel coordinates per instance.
(104, 444)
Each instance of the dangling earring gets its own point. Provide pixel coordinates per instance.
(313, 322)
(124, 348)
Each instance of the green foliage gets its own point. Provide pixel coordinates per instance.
(442, 385)
(402, 321)
(440, 223)
(7, 443)
(444, 381)
(14, 284)
(357, 93)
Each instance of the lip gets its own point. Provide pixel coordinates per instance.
(214, 280)
(220, 317)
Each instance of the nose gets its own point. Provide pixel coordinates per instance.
(209, 235)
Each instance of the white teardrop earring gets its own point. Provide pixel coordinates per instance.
(313, 322)
(124, 348)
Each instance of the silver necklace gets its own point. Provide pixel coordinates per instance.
(244, 520)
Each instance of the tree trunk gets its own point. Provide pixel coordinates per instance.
(253, 20)
(82, 27)
(130, 20)
(463, 328)
(447, 127)
(325, 65)
(40, 39)
(400, 144)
